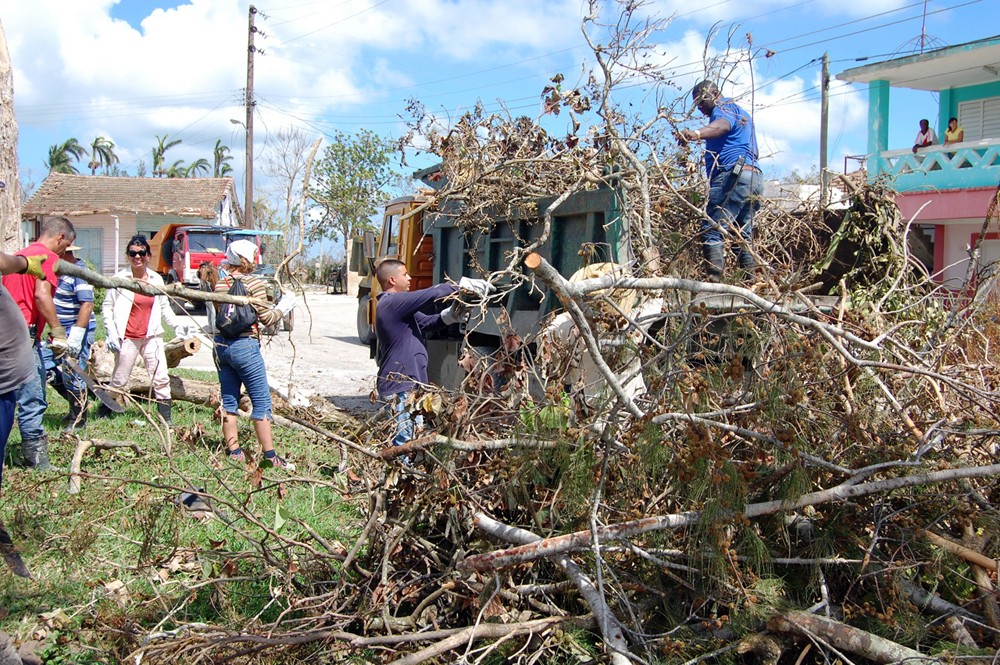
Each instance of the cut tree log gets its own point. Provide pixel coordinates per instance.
(847, 638)
(178, 349)
(10, 196)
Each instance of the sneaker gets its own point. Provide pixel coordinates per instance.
(281, 463)
(237, 456)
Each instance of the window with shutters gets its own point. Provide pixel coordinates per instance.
(92, 243)
(980, 118)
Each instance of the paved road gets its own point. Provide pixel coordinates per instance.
(333, 363)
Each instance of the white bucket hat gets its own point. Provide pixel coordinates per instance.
(240, 249)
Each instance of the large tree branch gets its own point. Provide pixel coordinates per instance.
(582, 539)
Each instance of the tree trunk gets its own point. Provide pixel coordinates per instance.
(185, 390)
(10, 197)
(178, 349)
(848, 638)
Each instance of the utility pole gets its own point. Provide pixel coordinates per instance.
(824, 124)
(248, 204)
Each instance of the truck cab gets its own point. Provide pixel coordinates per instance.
(179, 249)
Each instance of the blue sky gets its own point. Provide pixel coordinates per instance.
(134, 69)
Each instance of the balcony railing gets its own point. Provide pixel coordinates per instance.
(956, 166)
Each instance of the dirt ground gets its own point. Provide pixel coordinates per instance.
(331, 363)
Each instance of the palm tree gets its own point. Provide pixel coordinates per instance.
(221, 167)
(176, 170)
(102, 154)
(198, 166)
(158, 150)
(61, 157)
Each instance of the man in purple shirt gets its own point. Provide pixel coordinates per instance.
(400, 328)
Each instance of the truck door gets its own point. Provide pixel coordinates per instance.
(180, 249)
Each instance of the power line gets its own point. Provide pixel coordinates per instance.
(312, 32)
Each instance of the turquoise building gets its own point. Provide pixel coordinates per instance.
(945, 190)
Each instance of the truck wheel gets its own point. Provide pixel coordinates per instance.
(365, 332)
(288, 322)
(171, 276)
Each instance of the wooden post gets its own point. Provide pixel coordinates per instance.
(248, 204)
(824, 131)
(10, 196)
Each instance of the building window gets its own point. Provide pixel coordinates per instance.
(92, 242)
(980, 118)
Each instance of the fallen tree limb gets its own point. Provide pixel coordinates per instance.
(608, 624)
(176, 290)
(425, 442)
(333, 437)
(98, 444)
(178, 349)
(848, 638)
(934, 604)
(482, 631)
(966, 553)
(582, 539)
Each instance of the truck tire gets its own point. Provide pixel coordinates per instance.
(171, 277)
(365, 332)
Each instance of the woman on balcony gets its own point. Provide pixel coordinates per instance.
(926, 136)
(954, 133)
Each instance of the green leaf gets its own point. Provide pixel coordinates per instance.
(281, 516)
(265, 464)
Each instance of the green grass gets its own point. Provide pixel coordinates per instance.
(125, 525)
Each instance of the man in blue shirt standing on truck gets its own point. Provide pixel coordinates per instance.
(400, 328)
(735, 180)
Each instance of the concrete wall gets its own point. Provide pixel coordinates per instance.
(106, 223)
(953, 254)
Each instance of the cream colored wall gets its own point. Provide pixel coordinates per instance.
(957, 234)
(126, 229)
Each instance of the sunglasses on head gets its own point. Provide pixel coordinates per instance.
(132, 253)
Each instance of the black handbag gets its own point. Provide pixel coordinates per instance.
(234, 320)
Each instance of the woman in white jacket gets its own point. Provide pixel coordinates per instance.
(134, 324)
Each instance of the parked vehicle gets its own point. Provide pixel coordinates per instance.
(179, 249)
(435, 249)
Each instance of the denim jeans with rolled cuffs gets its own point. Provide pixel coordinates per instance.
(239, 363)
(732, 202)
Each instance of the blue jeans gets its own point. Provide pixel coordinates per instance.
(732, 203)
(31, 402)
(406, 423)
(8, 402)
(63, 374)
(239, 363)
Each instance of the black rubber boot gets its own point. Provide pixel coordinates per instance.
(716, 259)
(746, 260)
(77, 418)
(104, 412)
(36, 454)
(163, 407)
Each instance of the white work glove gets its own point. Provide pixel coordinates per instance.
(58, 343)
(480, 287)
(287, 303)
(75, 340)
(114, 346)
(455, 313)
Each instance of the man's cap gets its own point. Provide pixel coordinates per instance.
(240, 249)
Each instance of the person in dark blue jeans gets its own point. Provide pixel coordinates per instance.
(735, 181)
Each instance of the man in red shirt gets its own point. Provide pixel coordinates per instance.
(34, 297)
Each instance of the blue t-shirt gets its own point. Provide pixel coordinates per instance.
(71, 292)
(722, 153)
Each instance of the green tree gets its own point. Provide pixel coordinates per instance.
(158, 150)
(221, 157)
(102, 153)
(349, 184)
(176, 170)
(61, 157)
(196, 167)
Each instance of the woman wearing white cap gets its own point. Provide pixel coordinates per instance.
(237, 353)
(134, 324)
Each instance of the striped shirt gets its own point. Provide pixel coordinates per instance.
(257, 288)
(70, 294)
